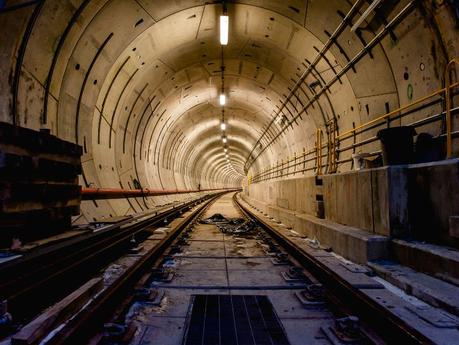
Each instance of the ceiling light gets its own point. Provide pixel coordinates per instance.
(223, 126)
(222, 99)
(224, 21)
(224, 140)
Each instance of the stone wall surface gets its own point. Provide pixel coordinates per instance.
(420, 201)
(373, 200)
(434, 201)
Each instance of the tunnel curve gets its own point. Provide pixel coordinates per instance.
(136, 83)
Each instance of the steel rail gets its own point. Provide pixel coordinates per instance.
(30, 283)
(339, 293)
(81, 327)
(394, 329)
(116, 193)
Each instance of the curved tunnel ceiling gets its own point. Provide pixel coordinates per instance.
(136, 83)
(190, 78)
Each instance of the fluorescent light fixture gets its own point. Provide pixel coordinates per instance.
(223, 126)
(224, 140)
(224, 21)
(222, 99)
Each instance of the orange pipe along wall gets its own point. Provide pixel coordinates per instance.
(114, 193)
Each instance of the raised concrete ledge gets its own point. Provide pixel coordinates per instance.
(437, 325)
(261, 206)
(352, 243)
(285, 216)
(431, 290)
(439, 261)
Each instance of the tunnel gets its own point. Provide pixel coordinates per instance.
(300, 156)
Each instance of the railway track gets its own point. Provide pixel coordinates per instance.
(37, 279)
(228, 281)
(344, 295)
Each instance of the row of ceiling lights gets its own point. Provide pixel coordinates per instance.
(224, 35)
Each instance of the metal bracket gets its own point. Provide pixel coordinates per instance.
(313, 296)
(119, 332)
(149, 296)
(345, 331)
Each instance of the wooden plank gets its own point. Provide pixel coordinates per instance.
(37, 141)
(37, 329)
(51, 240)
(21, 196)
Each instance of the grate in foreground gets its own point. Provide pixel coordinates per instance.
(233, 320)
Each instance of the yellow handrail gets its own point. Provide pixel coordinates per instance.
(346, 134)
(319, 151)
(393, 112)
(449, 125)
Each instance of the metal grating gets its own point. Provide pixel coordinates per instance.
(233, 320)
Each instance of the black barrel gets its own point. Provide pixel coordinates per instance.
(397, 144)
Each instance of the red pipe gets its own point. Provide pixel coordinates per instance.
(114, 193)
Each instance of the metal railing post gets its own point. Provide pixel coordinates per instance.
(319, 151)
(449, 120)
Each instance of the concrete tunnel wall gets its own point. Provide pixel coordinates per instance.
(136, 82)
